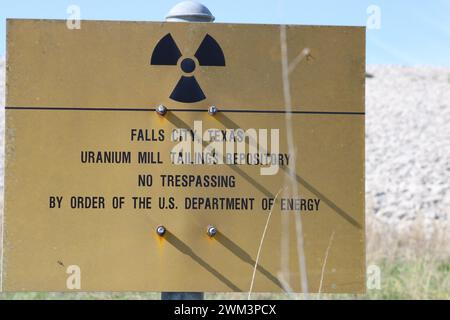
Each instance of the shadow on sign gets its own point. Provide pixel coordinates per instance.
(228, 123)
(244, 256)
(184, 248)
(181, 124)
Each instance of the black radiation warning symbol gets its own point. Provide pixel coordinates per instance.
(209, 54)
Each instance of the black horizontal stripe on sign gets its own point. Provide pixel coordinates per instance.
(188, 110)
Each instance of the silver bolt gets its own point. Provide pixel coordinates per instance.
(160, 230)
(212, 231)
(161, 110)
(212, 110)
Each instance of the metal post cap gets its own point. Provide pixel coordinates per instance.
(190, 11)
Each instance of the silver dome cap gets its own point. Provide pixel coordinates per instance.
(190, 11)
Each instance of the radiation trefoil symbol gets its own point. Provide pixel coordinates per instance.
(209, 54)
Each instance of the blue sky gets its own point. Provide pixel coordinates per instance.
(413, 32)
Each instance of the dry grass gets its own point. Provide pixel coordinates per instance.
(416, 240)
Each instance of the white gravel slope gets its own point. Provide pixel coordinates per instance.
(407, 143)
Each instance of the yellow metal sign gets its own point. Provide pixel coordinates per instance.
(92, 169)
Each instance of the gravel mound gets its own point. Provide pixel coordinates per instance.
(407, 143)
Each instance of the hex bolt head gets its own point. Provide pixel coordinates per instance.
(161, 110)
(161, 231)
(211, 231)
(212, 110)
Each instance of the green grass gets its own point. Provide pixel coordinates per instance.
(421, 279)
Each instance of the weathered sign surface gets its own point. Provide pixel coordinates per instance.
(92, 170)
